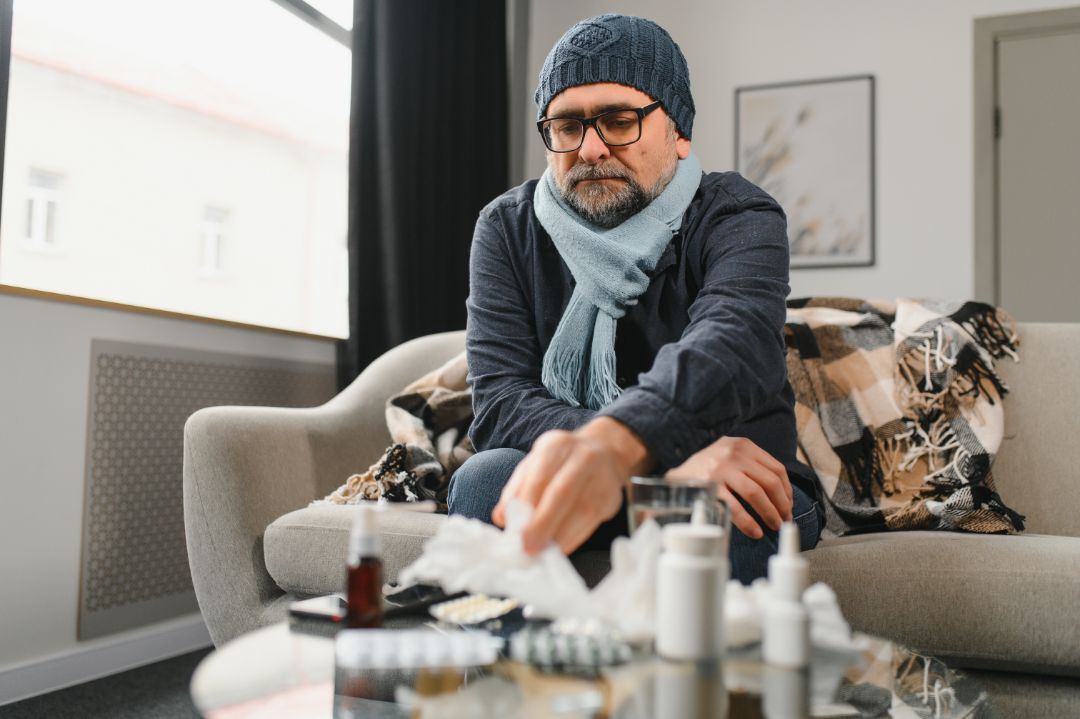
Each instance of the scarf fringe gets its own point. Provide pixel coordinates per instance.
(560, 368)
(601, 384)
(603, 387)
(860, 460)
(891, 452)
(993, 329)
(938, 371)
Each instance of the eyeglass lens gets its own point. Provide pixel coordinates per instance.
(615, 128)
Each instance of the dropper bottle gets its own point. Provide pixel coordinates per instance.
(786, 630)
(365, 574)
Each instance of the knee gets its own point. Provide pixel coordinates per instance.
(477, 484)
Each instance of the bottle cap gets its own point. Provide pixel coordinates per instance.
(789, 572)
(364, 537)
(789, 539)
(701, 540)
(700, 513)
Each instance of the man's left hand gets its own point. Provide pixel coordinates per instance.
(740, 467)
(575, 481)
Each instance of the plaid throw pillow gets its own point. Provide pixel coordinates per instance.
(899, 411)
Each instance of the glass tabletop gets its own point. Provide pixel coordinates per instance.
(288, 670)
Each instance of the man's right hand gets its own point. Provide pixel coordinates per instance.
(738, 466)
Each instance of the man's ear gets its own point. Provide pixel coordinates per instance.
(682, 147)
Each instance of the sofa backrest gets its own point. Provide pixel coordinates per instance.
(363, 403)
(1037, 466)
(1035, 471)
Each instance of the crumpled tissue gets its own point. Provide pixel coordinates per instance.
(470, 555)
(744, 608)
(467, 554)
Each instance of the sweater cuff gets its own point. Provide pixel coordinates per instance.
(668, 432)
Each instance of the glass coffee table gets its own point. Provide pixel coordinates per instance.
(288, 670)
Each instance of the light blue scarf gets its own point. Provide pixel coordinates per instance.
(611, 270)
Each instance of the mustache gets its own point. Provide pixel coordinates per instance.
(582, 171)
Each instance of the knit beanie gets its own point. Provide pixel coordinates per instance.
(622, 49)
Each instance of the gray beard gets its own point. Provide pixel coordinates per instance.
(602, 205)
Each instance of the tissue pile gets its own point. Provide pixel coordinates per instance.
(469, 555)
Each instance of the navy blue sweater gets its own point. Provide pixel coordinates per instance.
(699, 357)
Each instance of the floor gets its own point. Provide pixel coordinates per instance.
(156, 691)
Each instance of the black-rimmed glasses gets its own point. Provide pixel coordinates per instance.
(616, 128)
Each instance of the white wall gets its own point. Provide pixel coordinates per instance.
(921, 54)
(44, 391)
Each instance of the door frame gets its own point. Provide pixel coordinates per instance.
(988, 32)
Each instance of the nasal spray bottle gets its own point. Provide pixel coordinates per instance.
(365, 575)
(786, 625)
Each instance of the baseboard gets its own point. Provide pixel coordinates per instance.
(102, 657)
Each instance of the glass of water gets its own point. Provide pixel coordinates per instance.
(674, 500)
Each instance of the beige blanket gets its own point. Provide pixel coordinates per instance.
(429, 427)
(899, 411)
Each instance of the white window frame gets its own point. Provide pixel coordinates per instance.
(212, 241)
(41, 232)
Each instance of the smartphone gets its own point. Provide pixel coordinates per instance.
(397, 596)
(330, 608)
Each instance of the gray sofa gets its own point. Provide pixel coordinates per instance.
(994, 602)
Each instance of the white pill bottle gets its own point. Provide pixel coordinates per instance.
(692, 577)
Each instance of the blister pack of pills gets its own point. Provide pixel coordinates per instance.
(414, 649)
(473, 609)
(559, 651)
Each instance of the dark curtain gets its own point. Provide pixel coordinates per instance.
(428, 151)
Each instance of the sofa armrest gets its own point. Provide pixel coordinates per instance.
(243, 468)
(246, 466)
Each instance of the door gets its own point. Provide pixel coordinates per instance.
(1038, 176)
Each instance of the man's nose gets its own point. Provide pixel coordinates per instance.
(592, 147)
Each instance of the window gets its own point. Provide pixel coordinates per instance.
(213, 235)
(42, 200)
(340, 11)
(156, 160)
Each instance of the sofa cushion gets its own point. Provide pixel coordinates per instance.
(306, 550)
(987, 601)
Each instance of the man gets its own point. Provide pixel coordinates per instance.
(625, 315)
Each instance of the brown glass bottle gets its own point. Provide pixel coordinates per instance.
(365, 576)
(365, 594)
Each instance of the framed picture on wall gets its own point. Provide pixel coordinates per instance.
(810, 144)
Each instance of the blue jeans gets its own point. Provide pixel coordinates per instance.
(476, 486)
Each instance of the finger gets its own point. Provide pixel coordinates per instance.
(575, 529)
(739, 516)
(498, 514)
(532, 474)
(559, 500)
(509, 491)
(548, 454)
(785, 481)
(755, 496)
(512, 490)
(773, 465)
(774, 486)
